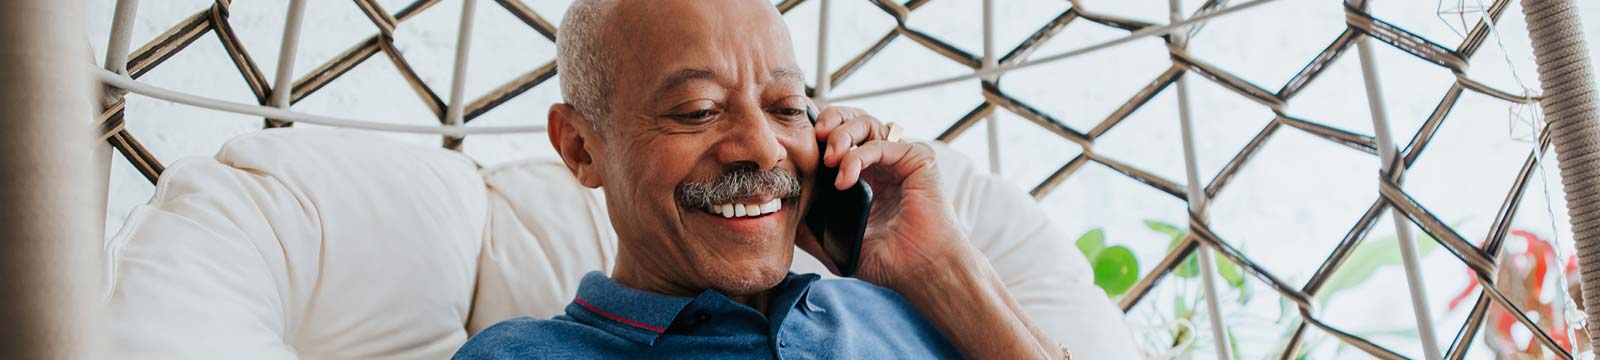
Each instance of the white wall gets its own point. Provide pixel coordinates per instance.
(1286, 210)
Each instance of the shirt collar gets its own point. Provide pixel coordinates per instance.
(642, 316)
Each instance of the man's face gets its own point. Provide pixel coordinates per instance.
(706, 95)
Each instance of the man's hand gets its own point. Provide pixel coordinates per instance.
(910, 228)
(914, 244)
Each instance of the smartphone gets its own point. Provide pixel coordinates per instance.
(838, 218)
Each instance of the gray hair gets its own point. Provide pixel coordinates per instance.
(740, 180)
(584, 62)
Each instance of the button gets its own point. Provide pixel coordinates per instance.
(783, 343)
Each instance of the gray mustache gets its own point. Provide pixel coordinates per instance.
(741, 180)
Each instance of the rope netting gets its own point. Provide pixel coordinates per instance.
(1361, 26)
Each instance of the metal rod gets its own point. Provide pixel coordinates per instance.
(124, 82)
(992, 120)
(824, 83)
(116, 60)
(1196, 194)
(283, 81)
(458, 76)
(1004, 68)
(1387, 152)
(121, 35)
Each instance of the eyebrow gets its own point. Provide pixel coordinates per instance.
(788, 74)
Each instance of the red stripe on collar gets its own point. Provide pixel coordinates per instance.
(617, 318)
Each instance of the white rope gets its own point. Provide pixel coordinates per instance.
(127, 83)
(1408, 249)
(1002, 69)
(1196, 195)
(1573, 118)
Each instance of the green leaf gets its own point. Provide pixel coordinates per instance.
(1233, 344)
(1092, 242)
(1180, 309)
(1115, 269)
(1166, 228)
(1190, 267)
(1370, 256)
(1230, 272)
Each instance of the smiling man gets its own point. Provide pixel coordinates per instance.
(691, 114)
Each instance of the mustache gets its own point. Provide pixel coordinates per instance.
(741, 180)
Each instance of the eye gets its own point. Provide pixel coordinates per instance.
(698, 111)
(697, 115)
(789, 112)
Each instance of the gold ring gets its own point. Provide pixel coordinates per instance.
(892, 132)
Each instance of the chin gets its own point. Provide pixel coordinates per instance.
(745, 279)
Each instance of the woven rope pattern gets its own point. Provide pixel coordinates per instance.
(1480, 259)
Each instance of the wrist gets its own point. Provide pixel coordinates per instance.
(959, 267)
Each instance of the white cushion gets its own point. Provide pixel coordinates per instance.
(336, 244)
(323, 244)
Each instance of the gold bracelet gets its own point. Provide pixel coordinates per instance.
(1065, 355)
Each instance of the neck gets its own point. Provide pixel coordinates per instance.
(641, 275)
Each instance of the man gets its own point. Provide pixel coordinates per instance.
(684, 109)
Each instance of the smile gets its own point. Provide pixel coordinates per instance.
(745, 210)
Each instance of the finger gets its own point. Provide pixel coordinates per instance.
(830, 118)
(808, 243)
(854, 131)
(901, 159)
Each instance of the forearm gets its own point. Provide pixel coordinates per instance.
(965, 299)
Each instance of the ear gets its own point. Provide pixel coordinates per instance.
(570, 133)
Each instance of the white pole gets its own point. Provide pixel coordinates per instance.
(121, 35)
(458, 78)
(1195, 194)
(116, 61)
(989, 63)
(283, 81)
(824, 80)
(50, 249)
(1387, 151)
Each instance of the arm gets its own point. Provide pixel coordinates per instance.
(965, 299)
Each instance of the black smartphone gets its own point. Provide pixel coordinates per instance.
(838, 218)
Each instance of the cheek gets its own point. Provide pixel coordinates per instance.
(802, 148)
(661, 166)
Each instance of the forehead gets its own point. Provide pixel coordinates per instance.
(658, 39)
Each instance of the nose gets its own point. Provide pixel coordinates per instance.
(750, 138)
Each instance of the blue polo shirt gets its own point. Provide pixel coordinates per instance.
(806, 319)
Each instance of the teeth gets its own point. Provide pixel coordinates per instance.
(745, 210)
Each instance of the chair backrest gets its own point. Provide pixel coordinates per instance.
(338, 244)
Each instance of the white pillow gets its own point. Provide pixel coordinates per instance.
(300, 244)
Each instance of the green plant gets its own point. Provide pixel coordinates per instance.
(1117, 269)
